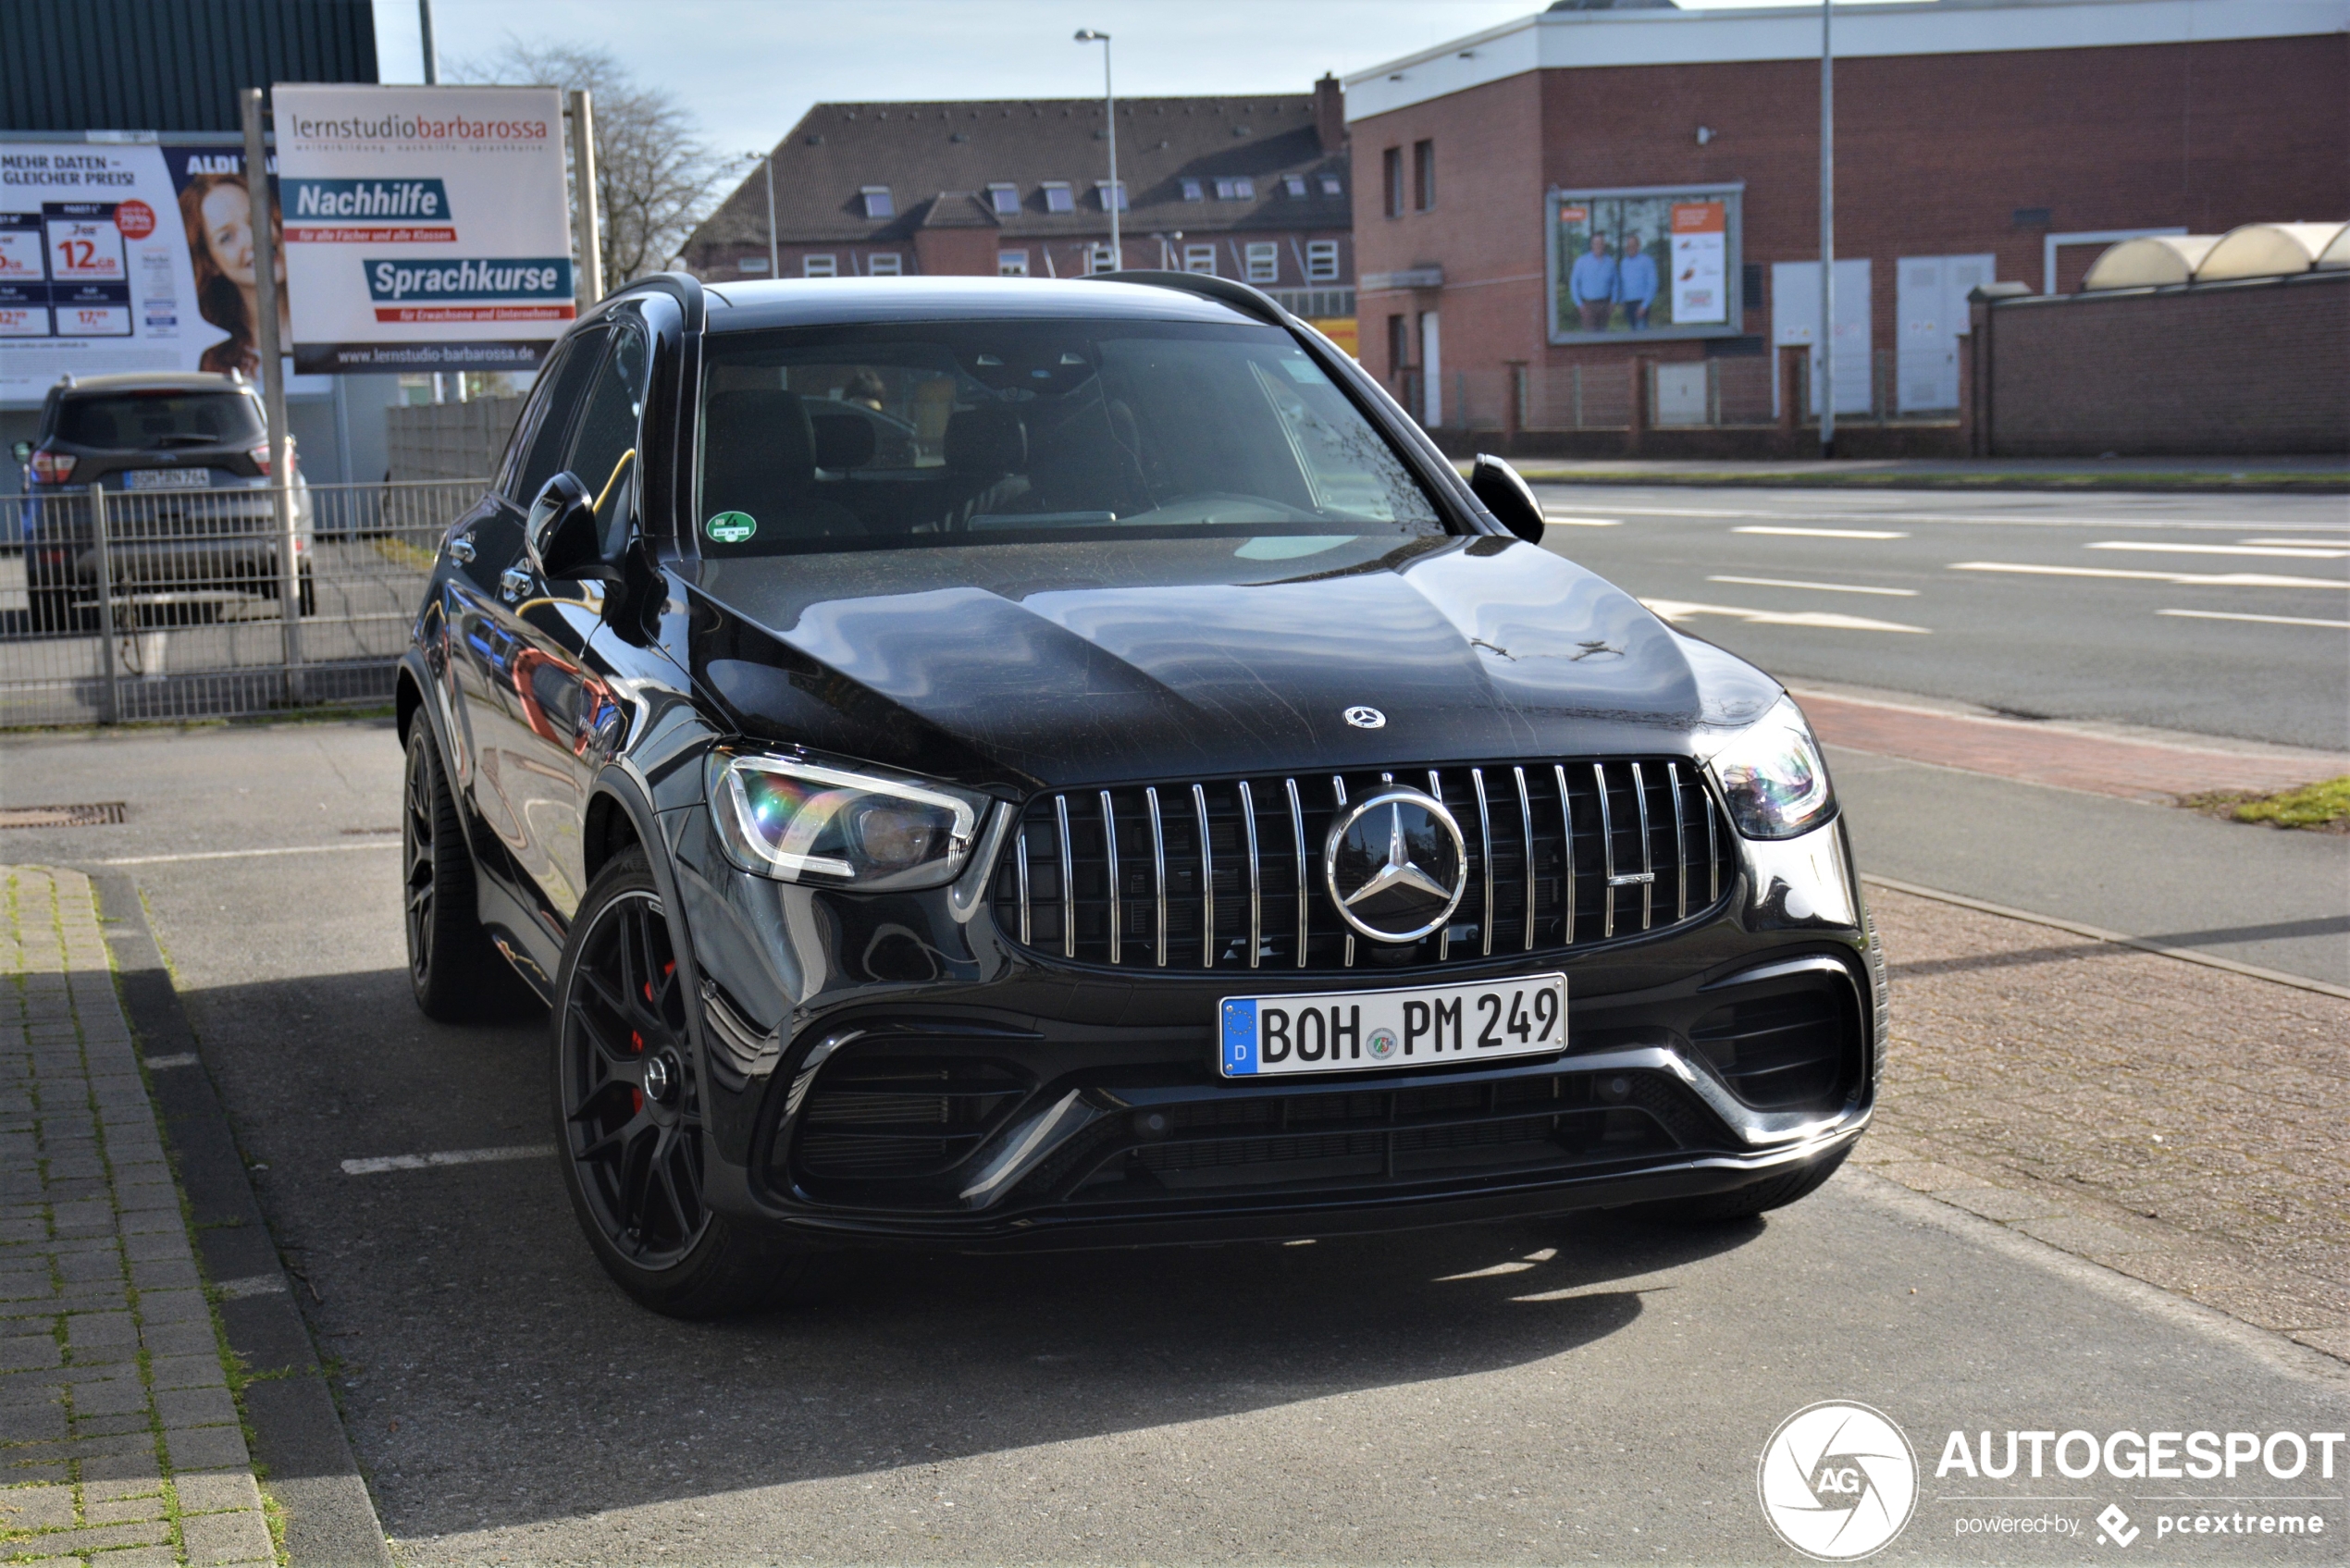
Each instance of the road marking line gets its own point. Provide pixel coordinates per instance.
(2313, 527)
(2186, 580)
(1996, 519)
(1583, 521)
(1819, 532)
(381, 1163)
(182, 1059)
(252, 1285)
(1679, 610)
(1823, 587)
(245, 854)
(2267, 620)
(2305, 551)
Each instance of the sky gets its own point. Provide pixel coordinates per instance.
(749, 69)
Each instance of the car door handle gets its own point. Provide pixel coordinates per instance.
(461, 549)
(512, 583)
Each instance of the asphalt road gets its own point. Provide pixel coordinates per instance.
(2217, 615)
(1584, 1390)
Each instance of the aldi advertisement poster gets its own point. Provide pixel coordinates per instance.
(427, 229)
(126, 254)
(1656, 261)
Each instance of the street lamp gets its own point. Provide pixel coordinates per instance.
(1827, 228)
(1109, 112)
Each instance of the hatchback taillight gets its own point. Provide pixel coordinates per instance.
(52, 468)
(260, 455)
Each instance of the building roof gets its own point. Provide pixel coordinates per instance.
(937, 161)
(1643, 35)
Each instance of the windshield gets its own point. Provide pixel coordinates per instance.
(161, 419)
(983, 432)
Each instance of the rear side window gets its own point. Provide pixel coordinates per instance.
(133, 420)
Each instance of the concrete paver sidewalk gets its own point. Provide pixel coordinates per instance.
(120, 1443)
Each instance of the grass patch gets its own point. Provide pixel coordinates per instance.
(2323, 807)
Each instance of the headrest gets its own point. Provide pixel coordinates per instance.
(759, 431)
(989, 440)
(843, 441)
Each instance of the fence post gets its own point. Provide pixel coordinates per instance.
(1638, 419)
(1514, 404)
(1579, 395)
(107, 658)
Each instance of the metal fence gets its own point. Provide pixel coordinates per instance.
(128, 606)
(1722, 392)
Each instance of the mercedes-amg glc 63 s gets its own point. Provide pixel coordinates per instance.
(980, 763)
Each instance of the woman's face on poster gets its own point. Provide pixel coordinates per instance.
(228, 226)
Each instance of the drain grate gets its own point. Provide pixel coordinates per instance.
(97, 814)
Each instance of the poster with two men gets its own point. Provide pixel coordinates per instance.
(1653, 261)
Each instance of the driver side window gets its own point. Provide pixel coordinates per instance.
(560, 385)
(604, 455)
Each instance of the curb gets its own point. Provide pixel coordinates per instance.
(298, 1433)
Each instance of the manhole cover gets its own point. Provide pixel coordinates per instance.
(97, 814)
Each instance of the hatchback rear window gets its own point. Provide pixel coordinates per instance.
(1004, 432)
(134, 420)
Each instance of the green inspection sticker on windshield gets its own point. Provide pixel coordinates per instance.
(731, 527)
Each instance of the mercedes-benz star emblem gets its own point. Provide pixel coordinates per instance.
(1366, 718)
(1395, 865)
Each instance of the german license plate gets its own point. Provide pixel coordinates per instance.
(1368, 1030)
(169, 478)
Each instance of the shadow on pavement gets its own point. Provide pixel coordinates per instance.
(492, 1376)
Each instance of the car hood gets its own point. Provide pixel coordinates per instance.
(1016, 666)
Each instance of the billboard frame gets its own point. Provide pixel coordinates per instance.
(1730, 193)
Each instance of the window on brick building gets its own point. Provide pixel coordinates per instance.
(1004, 200)
(1398, 344)
(1011, 263)
(1199, 258)
(1099, 257)
(1194, 192)
(878, 202)
(820, 266)
(1423, 175)
(886, 264)
(1105, 192)
(1242, 189)
(1264, 258)
(1059, 197)
(1392, 170)
(1321, 261)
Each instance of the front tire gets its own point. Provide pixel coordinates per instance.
(455, 970)
(628, 1125)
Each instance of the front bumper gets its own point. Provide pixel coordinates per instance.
(986, 1098)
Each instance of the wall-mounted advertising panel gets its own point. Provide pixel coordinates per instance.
(127, 253)
(1656, 261)
(427, 227)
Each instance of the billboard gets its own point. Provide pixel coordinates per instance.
(1656, 261)
(427, 227)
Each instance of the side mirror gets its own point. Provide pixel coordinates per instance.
(562, 539)
(24, 451)
(1507, 497)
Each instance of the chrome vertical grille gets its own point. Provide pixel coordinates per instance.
(1560, 854)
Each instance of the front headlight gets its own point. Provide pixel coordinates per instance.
(1772, 777)
(799, 820)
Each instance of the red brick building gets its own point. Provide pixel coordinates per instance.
(1975, 140)
(1255, 188)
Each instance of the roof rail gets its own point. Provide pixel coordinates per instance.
(681, 286)
(1224, 290)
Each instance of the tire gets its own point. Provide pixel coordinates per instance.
(1745, 1202)
(455, 970)
(627, 1114)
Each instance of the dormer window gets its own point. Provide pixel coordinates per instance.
(1059, 197)
(1106, 194)
(1003, 200)
(1239, 189)
(1332, 187)
(1193, 192)
(1294, 185)
(878, 202)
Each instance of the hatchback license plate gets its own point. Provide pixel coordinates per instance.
(170, 478)
(1368, 1030)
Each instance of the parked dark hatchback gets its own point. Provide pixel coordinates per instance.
(1019, 763)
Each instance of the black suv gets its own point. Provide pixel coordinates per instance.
(180, 462)
(1024, 763)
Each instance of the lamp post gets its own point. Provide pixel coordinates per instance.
(774, 253)
(1827, 230)
(1109, 113)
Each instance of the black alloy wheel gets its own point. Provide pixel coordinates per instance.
(628, 1112)
(454, 968)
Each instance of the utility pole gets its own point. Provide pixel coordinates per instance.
(774, 254)
(590, 285)
(432, 79)
(1827, 228)
(253, 102)
(1116, 193)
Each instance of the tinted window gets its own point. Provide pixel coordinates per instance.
(161, 419)
(839, 438)
(607, 428)
(560, 386)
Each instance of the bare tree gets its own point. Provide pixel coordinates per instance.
(655, 177)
